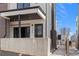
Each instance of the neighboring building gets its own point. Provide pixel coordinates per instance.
(64, 34)
(58, 39)
(73, 38)
(29, 27)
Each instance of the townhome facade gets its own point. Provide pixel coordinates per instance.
(28, 28)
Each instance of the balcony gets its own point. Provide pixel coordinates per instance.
(29, 13)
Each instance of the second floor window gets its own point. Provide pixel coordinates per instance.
(23, 5)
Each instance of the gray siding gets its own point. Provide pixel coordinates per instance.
(3, 6)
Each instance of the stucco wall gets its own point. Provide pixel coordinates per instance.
(42, 5)
(37, 47)
(14, 5)
(3, 6)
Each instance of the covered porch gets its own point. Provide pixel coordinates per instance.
(22, 28)
(24, 20)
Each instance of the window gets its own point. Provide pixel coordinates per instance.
(26, 5)
(59, 37)
(23, 5)
(16, 32)
(38, 30)
(25, 32)
(19, 5)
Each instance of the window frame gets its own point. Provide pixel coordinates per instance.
(26, 36)
(21, 32)
(35, 34)
(23, 5)
(18, 5)
(14, 35)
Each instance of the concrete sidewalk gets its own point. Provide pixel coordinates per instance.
(73, 52)
(61, 51)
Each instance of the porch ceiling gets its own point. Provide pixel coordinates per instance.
(28, 13)
(32, 16)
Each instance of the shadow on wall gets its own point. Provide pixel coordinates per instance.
(8, 53)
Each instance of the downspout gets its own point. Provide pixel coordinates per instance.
(46, 22)
(46, 26)
(5, 29)
(6, 19)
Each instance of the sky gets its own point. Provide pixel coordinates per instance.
(66, 16)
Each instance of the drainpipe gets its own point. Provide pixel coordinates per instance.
(46, 34)
(46, 22)
(5, 29)
(6, 19)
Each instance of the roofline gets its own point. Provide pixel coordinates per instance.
(24, 9)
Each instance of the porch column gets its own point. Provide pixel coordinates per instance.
(19, 20)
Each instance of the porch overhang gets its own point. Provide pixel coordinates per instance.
(37, 11)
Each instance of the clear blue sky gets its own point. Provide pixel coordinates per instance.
(66, 16)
